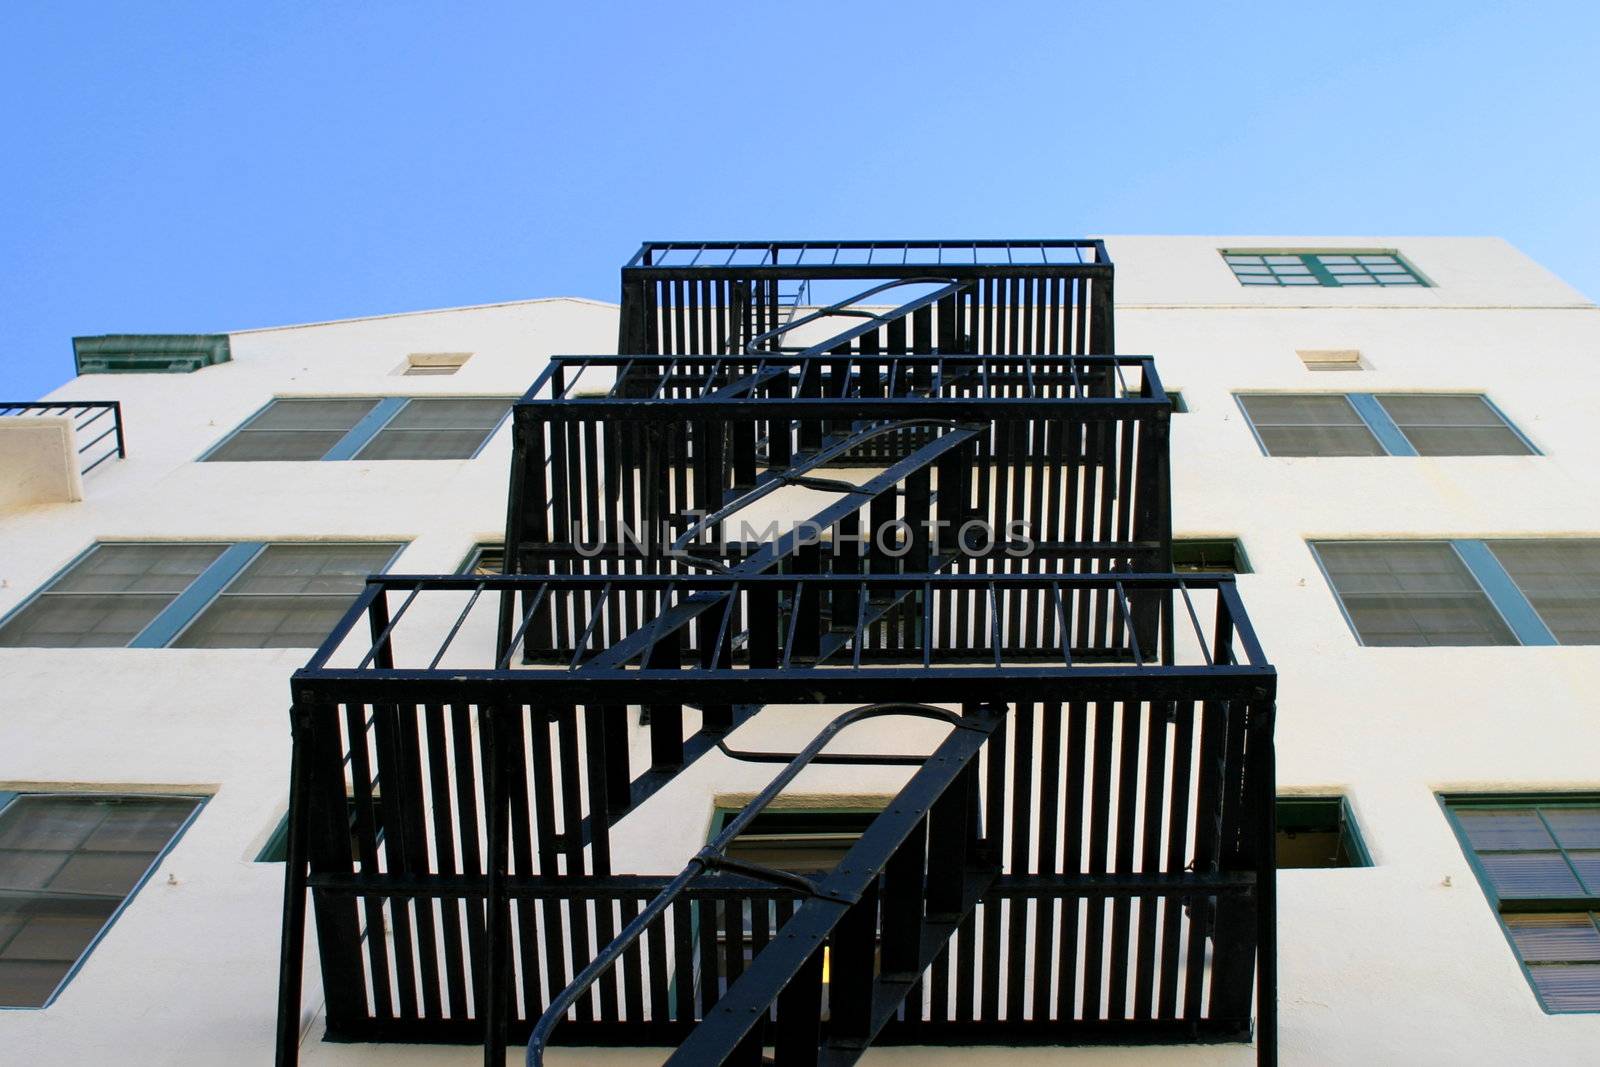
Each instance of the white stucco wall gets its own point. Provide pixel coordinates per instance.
(1401, 962)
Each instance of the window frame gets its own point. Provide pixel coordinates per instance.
(365, 430)
(1449, 802)
(1311, 260)
(1349, 829)
(8, 796)
(1241, 559)
(188, 605)
(1390, 437)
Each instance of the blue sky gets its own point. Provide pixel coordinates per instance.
(188, 167)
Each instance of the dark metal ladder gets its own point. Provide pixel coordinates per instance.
(921, 861)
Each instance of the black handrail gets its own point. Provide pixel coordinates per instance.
(711, 857)
(86, 413)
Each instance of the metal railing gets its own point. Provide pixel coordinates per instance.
(89, 416)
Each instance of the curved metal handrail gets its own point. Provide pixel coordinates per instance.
(844, 307)
(792, 474)
(711, 858)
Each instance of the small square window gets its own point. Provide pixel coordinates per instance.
(1221, 555)
(427, 364)
(1318, 832)
(487, 558)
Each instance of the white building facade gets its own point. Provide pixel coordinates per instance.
(1424, 574)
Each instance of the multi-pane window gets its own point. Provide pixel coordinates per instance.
(68, 862)
(1278, 268)
(1467, 592)
(1538, 859)
(1378, 424)
(248, 595)
(365, 428)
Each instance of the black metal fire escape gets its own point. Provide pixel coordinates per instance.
(983, 541)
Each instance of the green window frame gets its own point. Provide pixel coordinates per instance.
(1319, 832)
(1381, 424)
(486, 558)
(299, 429)
(1537, 858)
(70, 862)
(1464, 591)
(1376, 268)
(1209, 555)
(167, 594)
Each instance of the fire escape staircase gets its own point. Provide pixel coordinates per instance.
(1108, 774)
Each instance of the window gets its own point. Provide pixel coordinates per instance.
(1467, 592)
(1378, 424)
(1318, 832)
(1538, 860)
(365, 428)
(1221, 555)
(1335, 267)
(420, 364)
(276, 849)
(806, 842)
(68, 864)
(485, 559)
(248, 595)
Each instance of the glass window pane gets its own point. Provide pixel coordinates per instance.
(1491, 829)
(276, 445)
(424, 444)
(312, 568)
(1561, 579)
(1530, 874)
(1319, 441)
(340, 414)
(1568, 987)
(1310, 409)
(61, 621)
(1411, 593)
(1575, 827)
(138, 568)
(1562, 938)
(452, 414)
